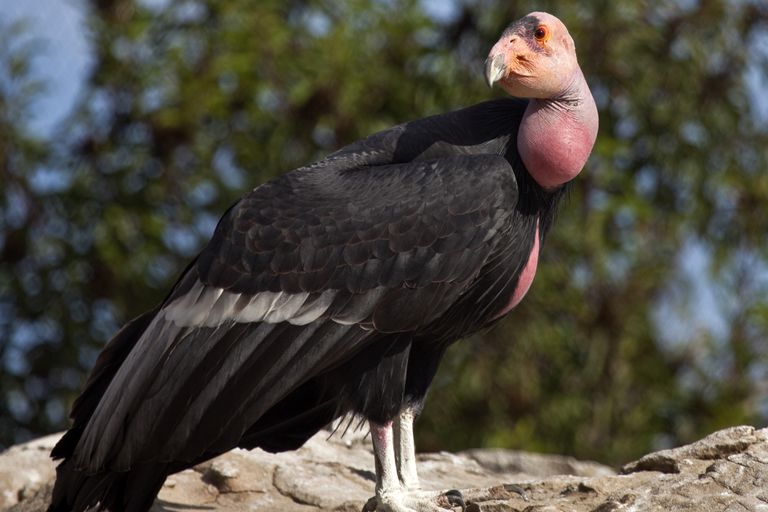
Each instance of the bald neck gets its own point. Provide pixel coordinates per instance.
(557, 134)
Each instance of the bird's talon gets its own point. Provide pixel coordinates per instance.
(370, 505)
(456, 499)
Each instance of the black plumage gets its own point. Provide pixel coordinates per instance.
(333, 289)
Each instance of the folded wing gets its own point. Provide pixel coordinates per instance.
(300, 275)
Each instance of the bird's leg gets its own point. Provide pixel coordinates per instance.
(396, 479)
(405, 449)
(384, 455)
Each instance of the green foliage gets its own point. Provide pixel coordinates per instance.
(20, 154)
(192, 103)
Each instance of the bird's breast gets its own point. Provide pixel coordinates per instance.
(525, 279)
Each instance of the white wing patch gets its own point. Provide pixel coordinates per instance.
(204, 306)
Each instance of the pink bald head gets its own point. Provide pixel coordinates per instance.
(535, 58)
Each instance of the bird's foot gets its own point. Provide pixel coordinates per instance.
(403, 500)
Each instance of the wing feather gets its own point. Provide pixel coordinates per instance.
(298, 277)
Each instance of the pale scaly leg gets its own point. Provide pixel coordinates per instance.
(405, 449)
(384, 455)
(392, 494)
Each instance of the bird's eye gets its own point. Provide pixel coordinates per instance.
(541, 33)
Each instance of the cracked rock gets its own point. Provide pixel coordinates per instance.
(725, 471)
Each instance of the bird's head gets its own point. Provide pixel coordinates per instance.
(534, 58)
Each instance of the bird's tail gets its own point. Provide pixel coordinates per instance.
(77, 490)
(129, 491)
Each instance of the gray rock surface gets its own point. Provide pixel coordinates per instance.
(726, 471)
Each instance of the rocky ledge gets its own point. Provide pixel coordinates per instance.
(726, 471)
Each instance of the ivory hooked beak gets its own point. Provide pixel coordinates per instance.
(494, 69)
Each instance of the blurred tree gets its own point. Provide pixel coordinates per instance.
(21, 156)
(190, 103)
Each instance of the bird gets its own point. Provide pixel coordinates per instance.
(334, 290)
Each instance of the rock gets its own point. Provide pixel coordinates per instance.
(726, 471)
(534, 464)
(25, 469)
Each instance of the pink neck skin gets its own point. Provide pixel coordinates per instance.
(556, 135)
(555, 139)
(526, 277)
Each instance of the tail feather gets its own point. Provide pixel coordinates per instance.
(76, 490)
(108, 362)
(131, 491)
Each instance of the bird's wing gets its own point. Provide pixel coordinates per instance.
(299, 275)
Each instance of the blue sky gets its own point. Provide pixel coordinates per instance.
(62, 63)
